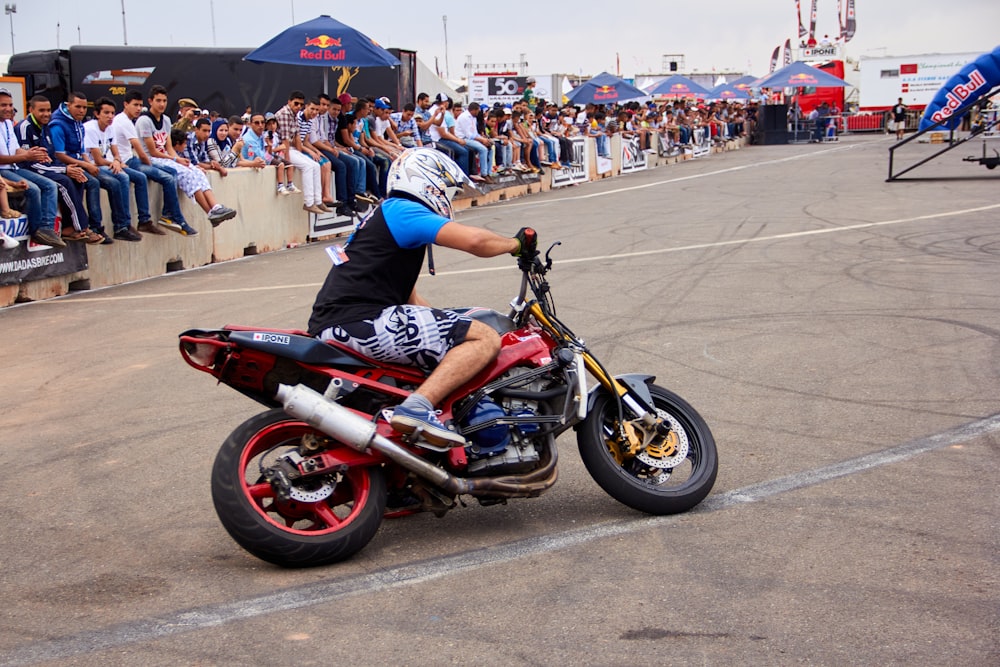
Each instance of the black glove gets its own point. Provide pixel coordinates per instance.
(527, 243)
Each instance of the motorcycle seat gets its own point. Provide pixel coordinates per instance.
(298, 347)
(491, 318)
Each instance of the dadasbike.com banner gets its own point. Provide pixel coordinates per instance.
(30, 261)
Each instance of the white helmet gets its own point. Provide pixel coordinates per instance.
(430, 176)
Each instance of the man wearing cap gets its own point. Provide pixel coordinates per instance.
(188, 110)
(442, 135)
(382, 133)
(529, 91)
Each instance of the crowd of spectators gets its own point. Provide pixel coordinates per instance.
(341, 146)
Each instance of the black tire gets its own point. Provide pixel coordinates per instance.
(637, 485)
(291, 533)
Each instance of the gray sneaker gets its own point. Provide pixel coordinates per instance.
(431, 429)
(220, 215)
(46, 236)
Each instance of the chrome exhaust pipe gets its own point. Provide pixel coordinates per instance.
(355, 431)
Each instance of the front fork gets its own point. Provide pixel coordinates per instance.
(646, 429)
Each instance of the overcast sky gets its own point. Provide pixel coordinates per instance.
(575, 36)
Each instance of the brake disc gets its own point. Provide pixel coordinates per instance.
(660, 456)
(313, 495)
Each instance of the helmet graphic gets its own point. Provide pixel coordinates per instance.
(430, 176)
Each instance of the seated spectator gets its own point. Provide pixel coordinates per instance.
(288, 131)
(140, 169)
(67, 142)
(598, 130)
(541, 130)
(442, 134)
(194, 183)
(503, 153)
(345, 169)
(235, 148)
(405, 126)
(154, 129)
(278, 149)
(198, 148)
(347, 137)
(363, 133)
(356, 168)
(305, 119)
(35, 132)
(382, 133)
(467, 130)
(188, 112)
(99, 141)
(40, 199)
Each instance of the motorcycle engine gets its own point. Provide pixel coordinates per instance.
(498, 447)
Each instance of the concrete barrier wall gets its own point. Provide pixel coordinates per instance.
(265, 221)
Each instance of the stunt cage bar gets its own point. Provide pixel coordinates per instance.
(952, 141)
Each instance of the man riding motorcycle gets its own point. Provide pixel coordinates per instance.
(369, 300)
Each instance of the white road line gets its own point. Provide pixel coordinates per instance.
(84, 298)
(309, 595)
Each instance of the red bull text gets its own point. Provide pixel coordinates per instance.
(958, 95)
(323, 42)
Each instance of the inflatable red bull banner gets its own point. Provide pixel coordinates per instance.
(962, 90)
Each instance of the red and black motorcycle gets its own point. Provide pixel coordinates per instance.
(309, 481)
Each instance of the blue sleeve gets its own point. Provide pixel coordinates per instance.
(58, 138)
(411, 224)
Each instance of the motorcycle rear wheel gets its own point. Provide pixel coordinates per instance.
(638, 485)
(292, 533)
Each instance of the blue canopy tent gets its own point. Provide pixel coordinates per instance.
(604, 88)
(744, 82)
(726, 91)
(799, 74)
(677, 86)
(323, 42)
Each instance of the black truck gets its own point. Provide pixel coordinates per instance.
(217, 79)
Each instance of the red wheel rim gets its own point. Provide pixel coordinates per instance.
(302, 518)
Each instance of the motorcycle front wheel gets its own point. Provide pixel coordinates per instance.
(324, 521)
(655, 482)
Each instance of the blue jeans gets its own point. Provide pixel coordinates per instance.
(138, 179)
(167, 181)
(343, 182)
(41, 198)
(482, 152)
(355, 170)
(93, 190)
(460, 152)
(117, 186)
(71, 193)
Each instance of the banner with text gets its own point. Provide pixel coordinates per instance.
(30, 261)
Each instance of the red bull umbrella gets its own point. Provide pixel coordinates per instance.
(799, 74)
(725, 91)
(323, 42)
(677, 86)
(604, 89)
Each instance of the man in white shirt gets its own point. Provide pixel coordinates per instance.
(442, 133)
(467, 129)
(131, 151)
(99, 144)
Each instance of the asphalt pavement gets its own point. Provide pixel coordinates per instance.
(840, 335)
